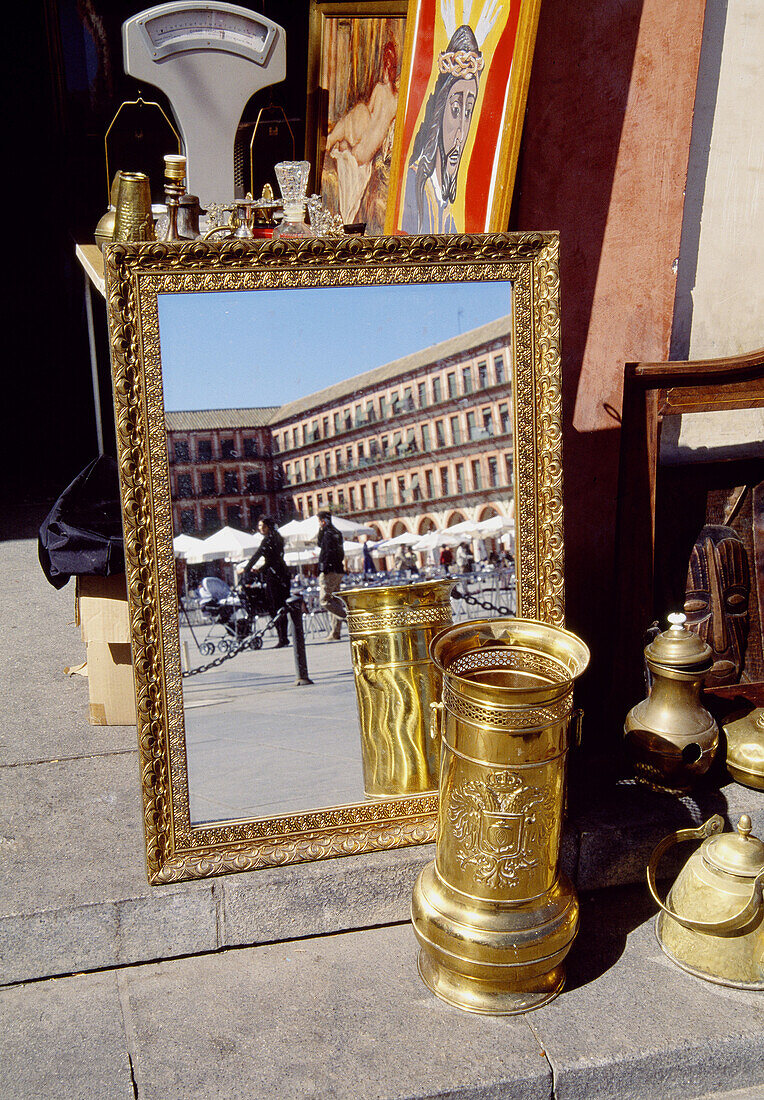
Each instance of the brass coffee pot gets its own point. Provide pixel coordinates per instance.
(671, 739)
(712, 923)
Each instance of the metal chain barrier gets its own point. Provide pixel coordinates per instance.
(499, 609)
(252, 641)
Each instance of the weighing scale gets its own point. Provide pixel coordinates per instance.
(209, 59)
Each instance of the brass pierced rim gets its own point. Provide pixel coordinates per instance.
(438, 592)
(523, 717)
(371, 622)
(572, 659)
(519, 701)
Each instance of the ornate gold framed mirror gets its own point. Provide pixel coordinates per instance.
(196, 328)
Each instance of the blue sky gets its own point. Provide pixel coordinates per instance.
(267, 347)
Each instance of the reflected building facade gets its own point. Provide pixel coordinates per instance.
(221, 469)
(422, 442)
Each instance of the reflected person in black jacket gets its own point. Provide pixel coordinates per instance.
(274, 573)
(331, 569)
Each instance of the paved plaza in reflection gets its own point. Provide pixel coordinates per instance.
(258, 745)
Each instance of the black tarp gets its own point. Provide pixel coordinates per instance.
(82, 533)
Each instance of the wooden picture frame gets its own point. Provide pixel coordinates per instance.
(652, 573)
(355, 55)
(460, 113)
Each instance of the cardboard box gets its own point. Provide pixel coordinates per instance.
(104, 620)
(112, 687)
(102, 613)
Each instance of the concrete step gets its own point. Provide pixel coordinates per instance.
(347, 1017)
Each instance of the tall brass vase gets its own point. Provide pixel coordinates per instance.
(395, 681)
(493, 915)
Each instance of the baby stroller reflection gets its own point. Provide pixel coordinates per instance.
(232, 609)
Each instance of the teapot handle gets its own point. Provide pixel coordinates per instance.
(736, 923)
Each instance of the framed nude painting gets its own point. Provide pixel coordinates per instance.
(354, 68)
(461, 102)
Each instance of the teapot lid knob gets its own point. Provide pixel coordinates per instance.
(679, 648)
(744, 826)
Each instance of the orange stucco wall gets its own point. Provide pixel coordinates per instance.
(604, 160)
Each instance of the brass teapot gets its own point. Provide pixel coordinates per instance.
(712, 923)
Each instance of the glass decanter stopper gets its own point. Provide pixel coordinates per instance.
(292, 177)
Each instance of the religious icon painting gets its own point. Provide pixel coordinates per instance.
(354, 70)
(461, 102)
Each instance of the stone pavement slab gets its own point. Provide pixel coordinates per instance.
(64, 1040)
(74, 893)
(632, 1024)
(343, 1017)
(48, 719)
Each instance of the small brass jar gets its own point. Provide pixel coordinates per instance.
(712, 922)
(132, 218)
(671, 739)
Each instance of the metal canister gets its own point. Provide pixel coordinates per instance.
(493, 915)
(390, 632)
(132, 219)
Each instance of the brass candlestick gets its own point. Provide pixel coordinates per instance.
(174, 189)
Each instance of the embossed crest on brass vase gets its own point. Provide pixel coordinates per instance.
(671, 739)
(493, 915)
(391, 628)
(712, 922)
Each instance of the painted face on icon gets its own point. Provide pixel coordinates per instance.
(716, 600)
(457, 118)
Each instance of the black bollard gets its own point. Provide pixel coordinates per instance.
(294, 607)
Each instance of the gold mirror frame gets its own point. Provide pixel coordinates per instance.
(135, 275)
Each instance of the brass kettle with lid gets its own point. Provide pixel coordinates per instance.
(671, 739)
(712, 922)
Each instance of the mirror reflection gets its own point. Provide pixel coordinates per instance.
(390, 407)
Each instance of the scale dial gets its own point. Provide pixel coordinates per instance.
(209, 58)
(183, 27)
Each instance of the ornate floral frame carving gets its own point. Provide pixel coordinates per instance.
(135, 275)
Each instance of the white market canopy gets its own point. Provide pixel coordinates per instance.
(308, 556)
(406, 538)
(352, 549)
(434, 539)
(300, 532)
(230, 543)
(187, 547)
(496, 525)
(484, 528)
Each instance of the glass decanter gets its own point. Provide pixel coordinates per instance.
(292, 177)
